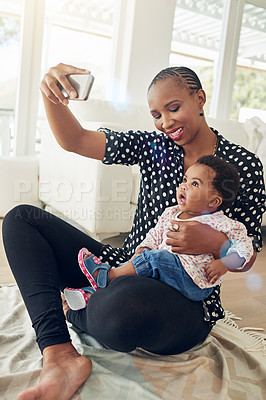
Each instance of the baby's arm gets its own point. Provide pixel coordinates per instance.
(238, 254)
(219, 267)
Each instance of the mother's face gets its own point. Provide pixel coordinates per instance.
(174, 110)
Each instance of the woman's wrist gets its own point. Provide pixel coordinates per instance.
(213, 241)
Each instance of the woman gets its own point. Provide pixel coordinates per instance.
(42, 249)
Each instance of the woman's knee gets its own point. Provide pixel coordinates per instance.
(13, 215)
(17, 215)
(20, 211)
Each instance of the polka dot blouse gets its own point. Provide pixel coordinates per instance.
(161, 164)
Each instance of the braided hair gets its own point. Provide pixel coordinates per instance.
(185, 77)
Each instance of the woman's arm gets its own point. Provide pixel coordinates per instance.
(196, 238)
(67, 130)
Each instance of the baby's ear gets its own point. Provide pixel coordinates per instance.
(216, 202)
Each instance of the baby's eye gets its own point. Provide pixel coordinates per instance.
(185, 180)
(195, 183)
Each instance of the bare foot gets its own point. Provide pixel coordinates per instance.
(64, 371)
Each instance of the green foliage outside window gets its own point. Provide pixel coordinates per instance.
(249, 89)
(9, 30)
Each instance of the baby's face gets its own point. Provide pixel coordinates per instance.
(196, 192)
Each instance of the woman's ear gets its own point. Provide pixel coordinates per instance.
(216, 202)
(201, 97)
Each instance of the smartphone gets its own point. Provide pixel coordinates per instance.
(82, 85)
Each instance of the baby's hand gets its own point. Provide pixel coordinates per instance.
(215, 270)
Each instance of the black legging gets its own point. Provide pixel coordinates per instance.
(130, 312)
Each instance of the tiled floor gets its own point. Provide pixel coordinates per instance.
(244, 294)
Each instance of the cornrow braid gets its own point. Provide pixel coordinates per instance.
(185, 77)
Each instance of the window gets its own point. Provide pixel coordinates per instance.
(196, 39)
(249, 94)
(79, 32)
(9, 49)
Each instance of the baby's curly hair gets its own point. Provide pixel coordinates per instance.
(226, 180)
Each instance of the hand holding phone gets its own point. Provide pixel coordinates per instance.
(82, 85)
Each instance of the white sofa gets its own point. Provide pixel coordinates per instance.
(101, 199)
(19, 182)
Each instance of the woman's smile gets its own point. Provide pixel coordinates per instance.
(176, 134)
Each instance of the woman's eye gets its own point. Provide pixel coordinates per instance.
(157, 116)
(175, 109)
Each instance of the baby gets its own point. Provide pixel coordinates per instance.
(209, 186)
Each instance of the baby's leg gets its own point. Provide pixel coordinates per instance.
(77, 299)
(125, 269)
(165, 266)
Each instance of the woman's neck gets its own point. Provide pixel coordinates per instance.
(203, 144)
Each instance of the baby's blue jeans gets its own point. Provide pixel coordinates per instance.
(167, 268)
